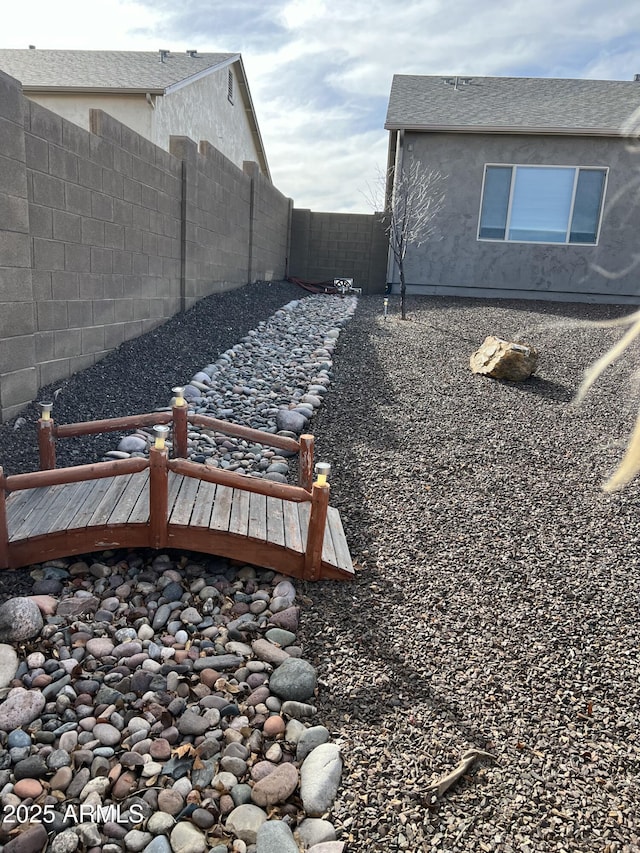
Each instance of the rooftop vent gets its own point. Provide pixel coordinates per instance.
(636, 78)
(164, 54)
(32, 47)
(192, 53)
(456, 82)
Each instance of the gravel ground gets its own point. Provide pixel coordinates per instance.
(496, 599)
(496, 602)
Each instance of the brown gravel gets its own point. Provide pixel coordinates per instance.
(496, 602)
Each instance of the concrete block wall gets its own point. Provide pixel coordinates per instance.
(103, 236)
(18, 374)
(104, 212)
(335, 245)
(271, 214)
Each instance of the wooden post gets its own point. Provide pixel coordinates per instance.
(315, 534)
(4, 528)
(305, 462)
(158, 497)
(180, 431)
(46, 444)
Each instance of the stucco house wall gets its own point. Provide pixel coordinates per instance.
(457, 262)
(132, 110)
(202, 110)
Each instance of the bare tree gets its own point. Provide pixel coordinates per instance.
(413, 204)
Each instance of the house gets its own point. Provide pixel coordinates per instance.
(541, 185)
(204, 96)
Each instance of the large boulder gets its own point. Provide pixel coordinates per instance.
(504, 359)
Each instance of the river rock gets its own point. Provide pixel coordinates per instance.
(275, 788)
(20, 708)
(244, 822)
(187, 838)
(20, 619)
(290, 421)
(501, 359)
(274, 836)
(309, 740)
(319, 779)
(8, 664)
(314, 830)
(295, 679)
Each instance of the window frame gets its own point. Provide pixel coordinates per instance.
(514, 167)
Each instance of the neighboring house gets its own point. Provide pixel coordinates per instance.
(541, 189)
(204, 96)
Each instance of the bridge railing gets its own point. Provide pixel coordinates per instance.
(180, 418)
(159, 464)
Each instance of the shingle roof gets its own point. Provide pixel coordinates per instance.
(512, 104)
(132, 71)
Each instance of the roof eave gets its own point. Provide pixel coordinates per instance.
(88, 90)
(252, 118)
(532, 131)
(204, 72)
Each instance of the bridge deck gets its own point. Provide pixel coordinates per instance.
(78, 517)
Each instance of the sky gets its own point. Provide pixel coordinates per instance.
(320, 71)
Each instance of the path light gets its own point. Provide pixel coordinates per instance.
(322, 470)
(178, 393)
(45, 411)
(160, 432)
(386, 306)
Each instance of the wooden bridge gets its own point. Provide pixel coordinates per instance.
(158, 502)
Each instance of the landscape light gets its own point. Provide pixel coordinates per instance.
(386, 305)
(160, 432)
(178, 393)
(45, 411)
(322, 470)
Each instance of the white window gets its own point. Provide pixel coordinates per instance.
(542, 204)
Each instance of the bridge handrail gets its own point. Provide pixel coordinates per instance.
(73, 474)
(180, 417)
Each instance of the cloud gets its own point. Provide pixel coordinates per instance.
(320, 71)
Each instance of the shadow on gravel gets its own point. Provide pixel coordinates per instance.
(546, 388)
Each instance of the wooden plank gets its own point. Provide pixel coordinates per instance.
(203, 505)
(183, 506)
(343, 557)
(328, 548)
(40, 499)
(258, 517)
(175, 484)
(85, 510)
(222, 508)
(239, 518)
(16, 503)
(41, 520)
(275, 521)
(122, 510)
(107, 502)
(74, 496)
(294, 536)
(140, 511)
